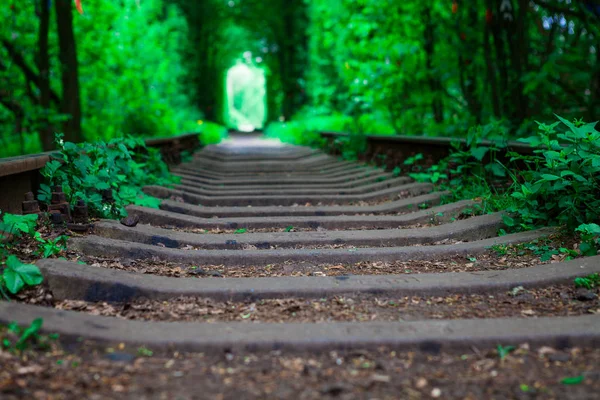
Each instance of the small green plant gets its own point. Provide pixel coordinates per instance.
(500, 249)
(412, 160)
(433, 174)
(504, 351)
(590, 239)
(16, 226)
(241, 230)
(589, 282)
(573, 380)
(545, 249)
(289, 228)
(51, 247)
(16, 275)
(397, 171)
(17, 339)
(143, 351)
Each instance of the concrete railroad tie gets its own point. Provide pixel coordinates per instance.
(254, 221)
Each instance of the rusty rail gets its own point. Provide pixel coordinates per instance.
(393, 150)
(19, 175)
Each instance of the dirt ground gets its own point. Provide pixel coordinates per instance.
(564, 300)
(116, 372)
(481, 262)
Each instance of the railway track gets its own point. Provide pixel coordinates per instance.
(282, 272)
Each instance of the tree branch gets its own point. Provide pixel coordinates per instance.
(560, 10)
(27, 71)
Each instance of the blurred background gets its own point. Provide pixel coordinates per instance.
(98, 69)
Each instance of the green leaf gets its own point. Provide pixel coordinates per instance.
(13, 281)
(550, 177)
(504, 351)
(30, 332)
(17, 274)
(498, 170)
(567, 123)
(479, 153)
(575, 380)
(508, 221)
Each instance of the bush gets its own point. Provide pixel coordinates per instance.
(562, 181)
(211, 133)
(106, 175)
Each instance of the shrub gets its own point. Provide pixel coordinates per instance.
(106, 175)
(562, 180)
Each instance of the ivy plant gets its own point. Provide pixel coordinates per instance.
(562, 180)
(17, 275)
(106, 175)
(15, 338)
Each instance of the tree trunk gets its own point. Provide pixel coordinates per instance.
(286, 61)
(434, 83)
(43, 64)
(491, 68)
(468, 74)
(595, 88)
(71, 102)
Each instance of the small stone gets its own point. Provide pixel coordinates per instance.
(204, 272)
(516, 291)
(127, 262)
(335, 389)
(380, 378)
(120, 357)
(436, 392)
(421, 383)
(559, 356)
(545, 350)
(131, 220)
(584, 294)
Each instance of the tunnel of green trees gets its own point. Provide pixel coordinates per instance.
(96, 69)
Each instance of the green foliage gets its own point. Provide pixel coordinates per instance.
(589, 282)
(545, 249)
(119, 167)
(51, 247)
(420, 68)
(17, 339)
(16, 275)
(504, 351)
(590, 239)
(351, 146)
(472, 170)
(131, 72)
(143, 351)
(22, 227)
(573, 380)
(211, 133)
(562, 180)
(13, 225)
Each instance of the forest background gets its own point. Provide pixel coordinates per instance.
(415, 67)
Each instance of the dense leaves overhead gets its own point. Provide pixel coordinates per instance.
(130, 72)
(437, 67)
(155, 67)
